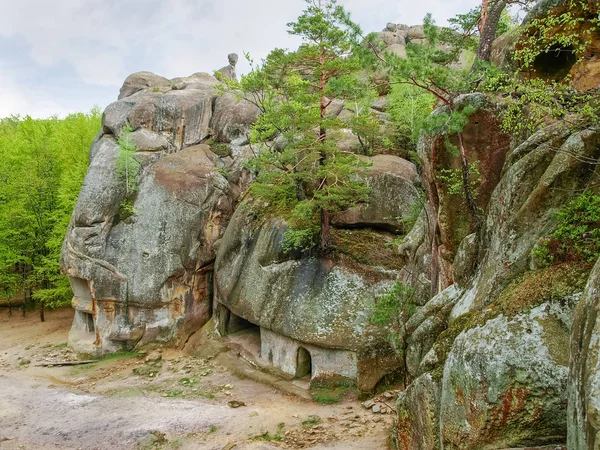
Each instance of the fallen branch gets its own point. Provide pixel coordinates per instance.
(67, 363)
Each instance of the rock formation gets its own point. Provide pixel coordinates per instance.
(228, 71)
(500, 351)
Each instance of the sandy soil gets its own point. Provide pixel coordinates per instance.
(172, 400)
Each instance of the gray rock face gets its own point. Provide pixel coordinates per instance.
(584, 370)
(182, 116)
(505, 383)
(232, 118)
(540, 177)
(141, 263)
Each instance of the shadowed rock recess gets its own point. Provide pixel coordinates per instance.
(501, 351)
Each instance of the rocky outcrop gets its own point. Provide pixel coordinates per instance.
(584, 370)
(323, 302)
(540, 177)
(505, 382)
(489, 355)
(486, 146)
(140, 258)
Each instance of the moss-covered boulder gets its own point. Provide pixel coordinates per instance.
(417, 426)
(504, 383)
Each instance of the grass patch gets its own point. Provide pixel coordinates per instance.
(119, 355)
(367, 247)
(329, 395)
(277, 437)
(311, 421)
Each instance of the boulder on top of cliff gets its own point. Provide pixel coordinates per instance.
(140, 81)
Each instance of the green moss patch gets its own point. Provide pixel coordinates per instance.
(366, 247)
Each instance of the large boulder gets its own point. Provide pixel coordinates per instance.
(583, 419)
(139, 251)
(140, 272)
(232, 118)
(394, 201)
(417, 409)
(320, 303)
(141, 81)
(504, 383)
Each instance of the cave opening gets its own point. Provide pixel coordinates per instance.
(556, 63)
(303, 363)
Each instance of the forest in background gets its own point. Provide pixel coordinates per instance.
(42, 165)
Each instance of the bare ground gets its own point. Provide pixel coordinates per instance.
(178, 402)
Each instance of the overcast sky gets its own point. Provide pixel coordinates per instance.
(64, 56)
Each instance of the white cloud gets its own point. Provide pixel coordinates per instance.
(103, 41)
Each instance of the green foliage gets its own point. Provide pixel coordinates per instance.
(576, 236)
(42, 166)
(541, 94)
(277, 437)
(392, 311)
(409, 106)
(128, 167)
(300, 172)
(454, 183)
(311, 421)
(325, 395)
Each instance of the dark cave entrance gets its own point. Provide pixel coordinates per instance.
(303, 363)
(556, 63)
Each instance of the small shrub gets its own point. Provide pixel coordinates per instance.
(311, 420)
(576, 236)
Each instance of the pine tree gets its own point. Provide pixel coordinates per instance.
(300, 171)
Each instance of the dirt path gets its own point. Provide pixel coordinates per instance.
(171, 401)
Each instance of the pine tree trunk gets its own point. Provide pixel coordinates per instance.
(489, 28)
(42, 317)
(324, 230)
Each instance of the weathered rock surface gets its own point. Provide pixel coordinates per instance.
(584, 370)
(316, 301)
(505, 383)
(540, 177)
(232, 118)
(141, 262)
(417, 410)
(486, 146)
(393, 198)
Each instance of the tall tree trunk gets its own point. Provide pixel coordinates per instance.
(489, 27)
(324, 230)
(42, 317)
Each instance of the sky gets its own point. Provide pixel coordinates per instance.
(64, 56)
